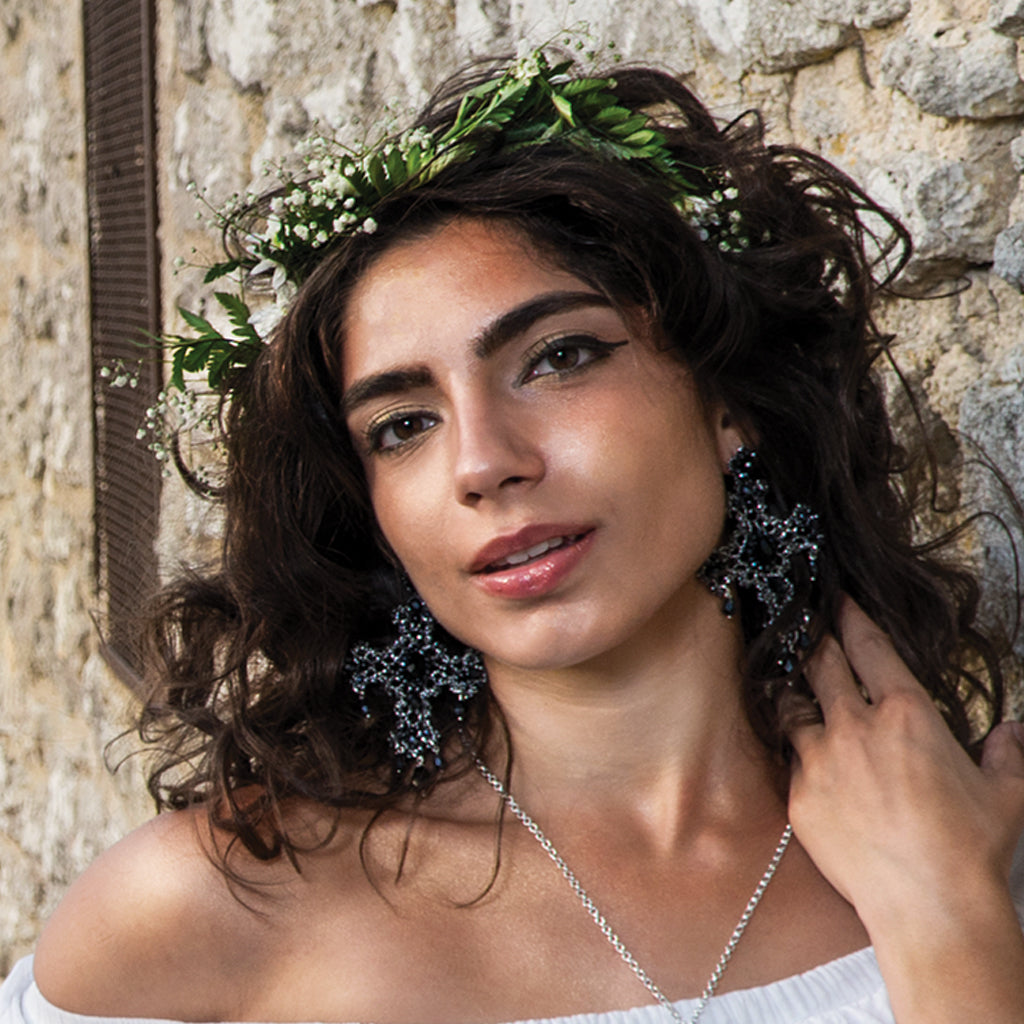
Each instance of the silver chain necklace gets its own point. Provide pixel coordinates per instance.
(606, 929)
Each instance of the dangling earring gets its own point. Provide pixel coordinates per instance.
(760, 552)
(409, 675)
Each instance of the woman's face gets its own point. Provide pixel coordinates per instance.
(550, 480)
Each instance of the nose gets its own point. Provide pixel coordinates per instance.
(496, 454)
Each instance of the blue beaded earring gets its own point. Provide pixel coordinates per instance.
(409, 675)
(759, 553)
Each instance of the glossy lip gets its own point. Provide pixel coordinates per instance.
(538, 577)
(527, 537)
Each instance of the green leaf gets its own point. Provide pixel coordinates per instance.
(506, 102)
(395, 165)
(564, 107)
(178, 369)
(220, 363)
(553, 130)
(641, 138)
(477, 93)
(376, 173)
(626, 128)
(610, 115)
(219, 270)
(581, 86)
(239, 314)
(203, 327)
(196, 356)
(414, 161)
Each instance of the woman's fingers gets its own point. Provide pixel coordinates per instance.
(1003, 753)
(871, 654)
(832, 680)
(865, 659)
(880, 790)
(1002, 761)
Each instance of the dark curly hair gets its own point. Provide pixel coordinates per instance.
(250, 706)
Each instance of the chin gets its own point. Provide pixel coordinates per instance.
(552, 650)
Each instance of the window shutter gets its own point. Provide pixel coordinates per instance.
(125, 309)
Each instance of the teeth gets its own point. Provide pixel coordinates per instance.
(538, 549)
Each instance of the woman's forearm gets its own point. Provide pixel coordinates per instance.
(959, 959)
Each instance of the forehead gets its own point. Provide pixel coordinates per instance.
(444, 286)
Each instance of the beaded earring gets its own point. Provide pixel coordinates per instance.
(760, 552)
(409, 675)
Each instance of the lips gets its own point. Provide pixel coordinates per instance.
(531, 563)
(522, 557)
(524, 546)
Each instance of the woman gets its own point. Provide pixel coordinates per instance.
(535, 344)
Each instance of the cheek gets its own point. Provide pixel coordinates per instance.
(410, 514)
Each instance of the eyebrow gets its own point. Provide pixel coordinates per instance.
(521, 318)
(488, 342)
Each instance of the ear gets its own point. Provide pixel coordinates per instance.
(728, 434)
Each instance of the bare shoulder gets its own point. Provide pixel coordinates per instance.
(151, 911)
(154, 929)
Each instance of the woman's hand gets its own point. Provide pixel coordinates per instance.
(909, 830)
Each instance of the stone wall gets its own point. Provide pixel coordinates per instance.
(921, 100)
(59, 806)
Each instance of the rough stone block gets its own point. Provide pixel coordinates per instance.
(992, 417)
(863, 14)
(1008, 255)
(775, 35)
(1007, 17)
(973, 73)
(948, 207)
(1017, 154)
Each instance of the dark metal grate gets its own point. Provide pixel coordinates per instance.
(124, 262)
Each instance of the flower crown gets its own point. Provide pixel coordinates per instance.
(529, 102)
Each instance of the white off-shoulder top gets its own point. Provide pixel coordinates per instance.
(849, 990)
(846, 991)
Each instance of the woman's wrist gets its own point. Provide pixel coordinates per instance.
(957, 956)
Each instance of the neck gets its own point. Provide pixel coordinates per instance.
(653, 733)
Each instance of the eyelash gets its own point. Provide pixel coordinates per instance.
(375, 432)
(582, 343)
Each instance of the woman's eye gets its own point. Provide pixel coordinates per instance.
(566, 355)
(399, 431)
